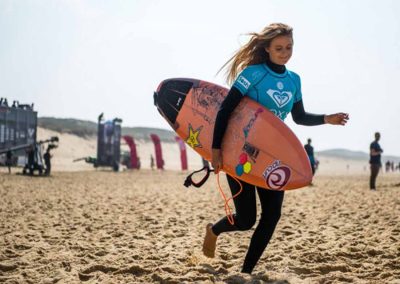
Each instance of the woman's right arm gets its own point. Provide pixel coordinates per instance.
(221, 122)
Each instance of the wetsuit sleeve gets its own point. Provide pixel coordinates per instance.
(248, 77)
(228, 105)
(300, 116)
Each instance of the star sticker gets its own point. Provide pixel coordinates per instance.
(193, 135)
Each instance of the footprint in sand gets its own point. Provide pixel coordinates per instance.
(87, 274)
(6, 267)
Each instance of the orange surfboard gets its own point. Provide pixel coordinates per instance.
(257, 147)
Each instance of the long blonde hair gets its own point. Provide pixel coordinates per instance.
(254, 52)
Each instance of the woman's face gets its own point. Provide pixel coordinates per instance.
(280, 49)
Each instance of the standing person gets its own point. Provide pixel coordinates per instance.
(258, 71)
(375, 160)
(9, 156)
(387, 166)
(30, 166)
(310, 153)
(152, 162)
(47, 161)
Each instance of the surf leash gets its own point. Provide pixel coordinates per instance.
(189, 181)
(228, 210)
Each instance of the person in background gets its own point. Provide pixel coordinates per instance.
(152, 162)
(47, 161)
(387, 166)
(30, 166)
(258, 71)
(310, 153)
(375, 160)
(9, 157)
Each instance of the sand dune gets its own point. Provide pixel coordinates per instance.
(144, 227)
(72, 147)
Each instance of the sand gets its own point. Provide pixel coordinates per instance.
(145, 226)
(86, 225)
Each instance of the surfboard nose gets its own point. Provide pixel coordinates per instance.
(170, 96)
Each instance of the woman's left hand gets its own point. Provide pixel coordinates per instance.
(340, 118)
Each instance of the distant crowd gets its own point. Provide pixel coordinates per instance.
(390, 166)
(375, 160)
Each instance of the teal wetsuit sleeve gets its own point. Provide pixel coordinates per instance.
(297, 82)
(247, 78)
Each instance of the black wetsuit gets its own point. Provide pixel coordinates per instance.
(245, 203)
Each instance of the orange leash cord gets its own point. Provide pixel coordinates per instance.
(228, 211)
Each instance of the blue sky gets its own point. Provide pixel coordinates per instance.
(76, 59)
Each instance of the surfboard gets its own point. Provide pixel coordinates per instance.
(257, 147)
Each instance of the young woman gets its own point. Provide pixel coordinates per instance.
(258, 71)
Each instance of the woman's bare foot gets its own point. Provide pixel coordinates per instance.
(210, 242)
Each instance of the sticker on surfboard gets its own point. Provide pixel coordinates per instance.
(244, 165)
(193, 138)
(277, 175)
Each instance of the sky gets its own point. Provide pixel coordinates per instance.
(76, 59)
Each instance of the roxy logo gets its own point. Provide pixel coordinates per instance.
(279, 113)
(280, 98)
(276, 175)
(244, 82)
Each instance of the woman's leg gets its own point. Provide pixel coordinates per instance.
(271, 204)
(245, 205)
(244, 218)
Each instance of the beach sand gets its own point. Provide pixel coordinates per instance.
(145, 226)
(86, 225)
